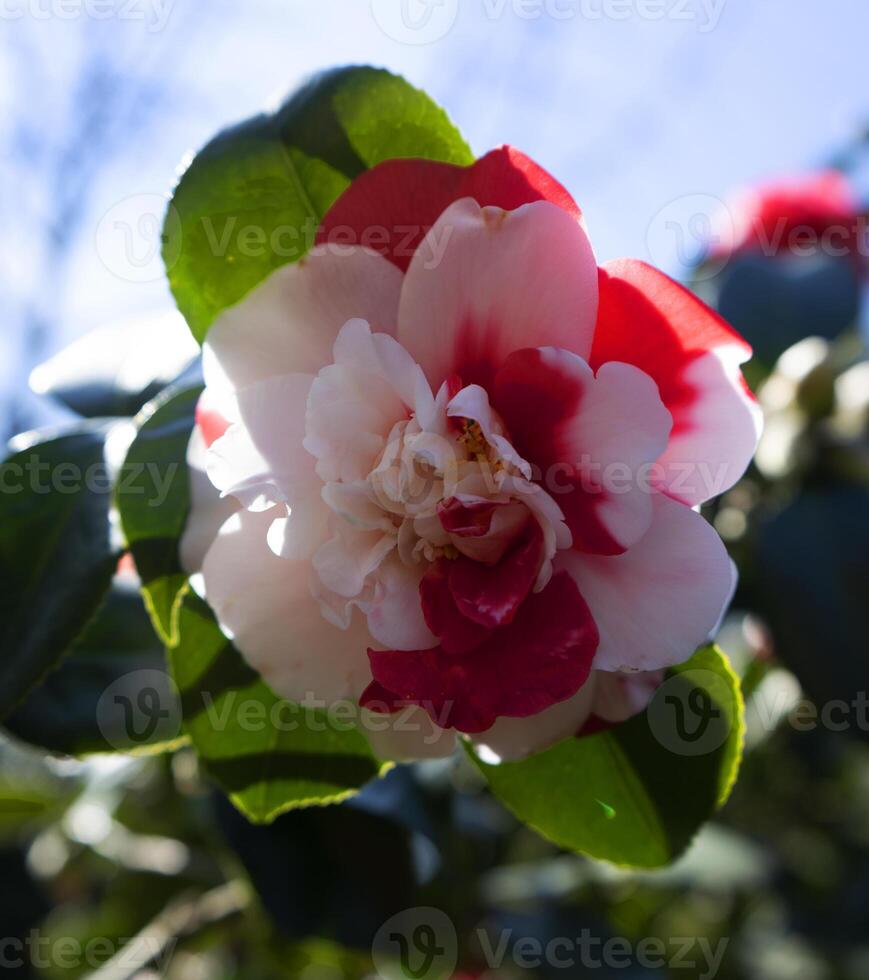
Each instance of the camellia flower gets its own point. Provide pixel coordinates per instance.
(458, 464)
(817, 213)
(787, 260)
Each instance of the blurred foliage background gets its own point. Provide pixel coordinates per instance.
(121, 866)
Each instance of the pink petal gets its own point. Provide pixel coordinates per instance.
(656, 603)
(486, 282)
(693, 355)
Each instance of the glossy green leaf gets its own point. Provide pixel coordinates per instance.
(267, 754)
(637, 794)
(56, 553)
(252, 199)
(153, 498)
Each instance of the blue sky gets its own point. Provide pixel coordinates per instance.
(645, 109)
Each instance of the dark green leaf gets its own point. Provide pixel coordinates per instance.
(153, 497)
(812, 583)
(637, 794)
(56, 554)
(267, 754)
(114, 370)
(253, 197)
(72, 711)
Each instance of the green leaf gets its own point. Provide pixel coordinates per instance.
(73, 710)
(637, 794)
(267, 754)
(153, 498)
(56, 554)
(252, 199)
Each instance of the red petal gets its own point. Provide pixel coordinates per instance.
(467, 519)
(646, 319)
(391, 207)
(211, 423)
(544, 656)
(492, 594)
(456, 633)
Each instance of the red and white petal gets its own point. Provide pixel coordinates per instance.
(647, 319)
(391, 207)
(656, 603)
(208, 510)
(264, 604)
(541, 658)
(486, 282)
(718, 431)
(216, 410)
(592, 437)
(517, 738)
(289, 322)
(407, 735)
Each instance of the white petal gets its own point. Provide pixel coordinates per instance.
(395, 618)
(208, 510)
(261, 456)
(290, 321)
(380, 355)
(264, 604)
(346, 560)
(349, 418)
